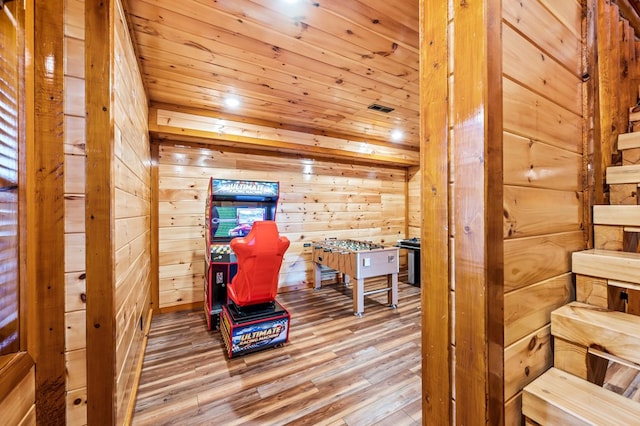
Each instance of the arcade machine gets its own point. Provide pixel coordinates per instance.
(243, 255)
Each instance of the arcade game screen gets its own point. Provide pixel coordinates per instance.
(234, 221)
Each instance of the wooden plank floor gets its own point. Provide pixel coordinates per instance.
(337, 369)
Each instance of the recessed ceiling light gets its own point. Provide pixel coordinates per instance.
(232, 102)
(397, 135)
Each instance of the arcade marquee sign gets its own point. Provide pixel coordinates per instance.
(226, 187)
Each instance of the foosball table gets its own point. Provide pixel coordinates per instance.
(358, 260)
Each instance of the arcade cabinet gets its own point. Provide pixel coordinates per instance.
(248, 311)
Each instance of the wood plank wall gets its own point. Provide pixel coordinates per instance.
(414, 220)
(132, 211)
(74, 149)
(318, 199)
(543, 194)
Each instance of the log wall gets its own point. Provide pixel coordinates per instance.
(131, 171)
(132, 214)
(318, 199)
(543, 192)
(74, 227)
(413, 202)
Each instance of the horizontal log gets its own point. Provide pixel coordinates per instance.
(534, 259)
(200, 128)
(526, 359)
(529, 308)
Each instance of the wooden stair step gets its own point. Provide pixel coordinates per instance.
(623, 174)
(613, 332)
(629, 140)
(559, 398)
(623, 215)
(624, 284)
(609, 264)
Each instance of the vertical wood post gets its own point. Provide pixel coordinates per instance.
(604, 119)
(48, 212)
(591, 133)
(155, 233)
(463, 291)
(434, 142)
(478, 214)
(99, 217)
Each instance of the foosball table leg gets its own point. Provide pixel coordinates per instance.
(392, 295)
(317, 276)
(358, 297)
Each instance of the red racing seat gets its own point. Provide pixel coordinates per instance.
(259, 256)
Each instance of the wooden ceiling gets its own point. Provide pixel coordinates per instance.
(313, 65)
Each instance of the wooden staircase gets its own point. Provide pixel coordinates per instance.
(602, 327)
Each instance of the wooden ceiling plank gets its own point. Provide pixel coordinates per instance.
(237, 60)
(277, 92)
(397, 19)
(168, 61)
(313, 14)
(270, 83)
(273, 106)
(251, 37)
(316, 66)
(275, 113)
(267, 26)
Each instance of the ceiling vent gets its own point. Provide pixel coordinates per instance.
(380, 108)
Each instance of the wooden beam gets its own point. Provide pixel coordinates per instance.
(478, 215)
(204, 127)
(99, 216)
(155, 237)
(603, 119)
(49, 211)
(591, 153)
(437, 404)
(630, 13)
(282, 126)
